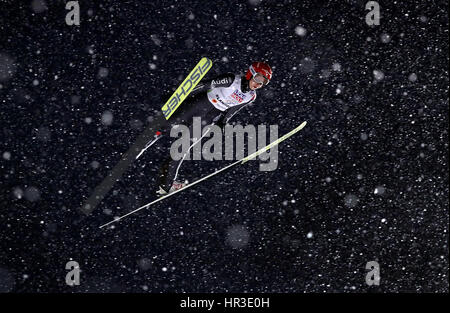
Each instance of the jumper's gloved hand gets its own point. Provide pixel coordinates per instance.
(219, 120)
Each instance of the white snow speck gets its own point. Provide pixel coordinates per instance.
(351, 200)
(385, 38)
(309, 235)
(379, 190)
(378, 75)
(107, 118)
(103, 72)
(412, 77)
(18, 192)
(7, 155)
(336, 67)
(300, 30)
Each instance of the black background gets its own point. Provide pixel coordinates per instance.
(390, 134)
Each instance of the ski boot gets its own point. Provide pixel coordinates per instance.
(161, 192)
(176, 186)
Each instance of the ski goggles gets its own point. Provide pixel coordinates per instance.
(260, 79)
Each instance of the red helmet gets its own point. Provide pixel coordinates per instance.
(259, 68)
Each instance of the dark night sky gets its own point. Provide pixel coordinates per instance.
(367, 179)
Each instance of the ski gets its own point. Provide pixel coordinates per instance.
(242, 161)
(194, 77)
(150, 143)
(186, 87)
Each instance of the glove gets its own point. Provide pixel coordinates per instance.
(219, 120)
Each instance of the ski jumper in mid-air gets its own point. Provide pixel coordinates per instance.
(216, 101)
